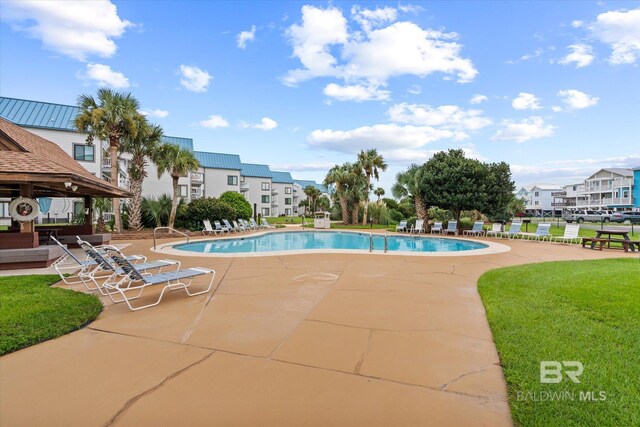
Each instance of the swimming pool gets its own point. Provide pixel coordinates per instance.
(323, 241)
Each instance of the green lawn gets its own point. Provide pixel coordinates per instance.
(586, 311)
(286, 220)
(363, 227)
(31, 311)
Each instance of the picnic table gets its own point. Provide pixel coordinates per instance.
(618, 236)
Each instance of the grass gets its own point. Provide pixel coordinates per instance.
(31, 311)
(286, 220)
(586, 311)
(363, 227)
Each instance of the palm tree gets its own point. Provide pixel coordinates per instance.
(312, 194)
(371, 163)
(109, 117)
(157, 210)
(177, 162)
(379, 192)
(407, 186)
(141, 147)
(338, 176)
(101, 204)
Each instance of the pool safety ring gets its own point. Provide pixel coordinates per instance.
(23, 210)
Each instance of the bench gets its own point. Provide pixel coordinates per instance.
(631, 244)
(626, 244)
(593, 242)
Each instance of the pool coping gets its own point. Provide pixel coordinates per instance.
(167, 248)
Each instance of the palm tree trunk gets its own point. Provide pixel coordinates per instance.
(174, 202)
(135, 205)
(421, 208)
(355, 212)
(345, 210)
(113, 148)
(366, 202)
(100, 226)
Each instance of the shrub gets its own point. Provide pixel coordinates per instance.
(395, 215)
(207, 208)
(238, 202)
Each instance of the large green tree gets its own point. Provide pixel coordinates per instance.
(338, 178)
(177, 162)
(238, 202)
(498, 192)
(111, 116)
(372, 163)
(452, 181)
(312, 194)
(407, 186)
(142, 147)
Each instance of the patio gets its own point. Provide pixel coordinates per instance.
(301, 340)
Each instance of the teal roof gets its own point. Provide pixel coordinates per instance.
(254, 170)
(305, 183)
(218, 160)
(38, 114)
(186, 143)
(281, 177)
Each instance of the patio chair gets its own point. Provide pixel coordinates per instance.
(134, 281)
(571, 234)
(266, 224)
(477, 229)
(70, 263)
(419, 227)
(237, 226)
(254, 224)
(514, 230)
(436, 227)
(496, 230)
(541, 234)
(208, 230)
(219, 228)
(452, 227)
(229, 227)
(105, 263)
(402, 226)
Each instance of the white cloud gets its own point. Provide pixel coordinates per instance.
(581, 54)
(447, 117)
(524, 130)
(301, 167)
(576, 100)
(478, 99)
(371, 57)
(356, 92)
(621, 30)
(577, 23)
(536, 53)
(526, 101)
(214, 122)
(76, 29)
(103, 75)
(246, 36)
(373, 18)
(411, 8)
(194, 79)
(415, 90)
(155, 113)
(265, 124)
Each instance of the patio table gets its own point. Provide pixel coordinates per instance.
(608, 236)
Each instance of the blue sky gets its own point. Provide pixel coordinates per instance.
(552, 88)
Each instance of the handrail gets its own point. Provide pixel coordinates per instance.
(167, 228)
(386, 244)
(370, 242)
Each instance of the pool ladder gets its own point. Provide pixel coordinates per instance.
(386, 243)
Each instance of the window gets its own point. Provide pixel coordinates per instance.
(265, 212)
(266, 186)
(287, 200)
(537, 203)
(287, 190)
(242, 179)
(232, 180)
(265, 199)
(287, 212)
(84, 153)
(183, 190)
(537, 194)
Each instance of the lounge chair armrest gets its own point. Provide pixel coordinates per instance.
(203, 270)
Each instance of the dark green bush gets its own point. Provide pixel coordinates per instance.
(207, 208)
(238, 202)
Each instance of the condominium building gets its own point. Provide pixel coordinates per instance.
(218, 173)
(607, 189)
(539, 199)
(281, 193)
(255, 183)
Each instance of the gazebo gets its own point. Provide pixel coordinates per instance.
(32, 167)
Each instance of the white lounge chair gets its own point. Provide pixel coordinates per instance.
(496, 230)
(514, 230)
(237, 226)
(452, 227)
(266, 224)
(229, 227)
(477, 229)
(219, 228)
(571, 234)
(135, 282)
(69, 263)
(541, 234)
(419, 227)
(402, 226)
(208, 229)
(436, 227)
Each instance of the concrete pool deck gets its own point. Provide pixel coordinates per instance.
(291, 340)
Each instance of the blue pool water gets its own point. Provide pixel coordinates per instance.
(311, 240)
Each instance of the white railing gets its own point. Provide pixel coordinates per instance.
(274, 191)
(197, 177)
(244, 187)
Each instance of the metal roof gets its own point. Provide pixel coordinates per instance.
(255, 170)
(281, 177)
(619, 171)
(186, 143)
(305, 183)
(218, 160)
(38, 114)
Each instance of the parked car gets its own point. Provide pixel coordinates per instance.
(631, 216)
(606, 215)
(581, 216)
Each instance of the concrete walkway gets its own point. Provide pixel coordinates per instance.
(304, 340)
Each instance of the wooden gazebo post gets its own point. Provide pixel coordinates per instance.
(26, 190)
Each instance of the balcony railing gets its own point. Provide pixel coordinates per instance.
(274, 191)
(274, 203)
(558, 194)
(244, 188)
(197, 177)
(196, 195)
